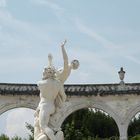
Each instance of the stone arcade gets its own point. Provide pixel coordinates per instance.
(121, 102)
(57, 102)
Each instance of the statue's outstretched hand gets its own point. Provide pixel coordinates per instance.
(63, 44)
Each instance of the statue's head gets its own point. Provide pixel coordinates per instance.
(49, 71)
(74, 64)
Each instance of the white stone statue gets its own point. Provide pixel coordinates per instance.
(52, 96)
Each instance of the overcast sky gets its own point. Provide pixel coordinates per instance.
(103, 35)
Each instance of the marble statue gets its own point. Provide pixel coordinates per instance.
(52, 96)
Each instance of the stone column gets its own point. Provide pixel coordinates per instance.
(123, 131)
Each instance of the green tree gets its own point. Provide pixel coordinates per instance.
(4, 137)
(134, 126)
(31, 129)
(16, 138)
(30, 136)
(88, 124)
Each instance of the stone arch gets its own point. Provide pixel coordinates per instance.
(9, 106)
(130, 114)
(68, 109)
(16, 116)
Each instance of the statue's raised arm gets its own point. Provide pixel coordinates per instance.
(65, 56)
(63, 73)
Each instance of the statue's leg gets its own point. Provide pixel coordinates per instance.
(36, 127)
(60, 135)
(49, 132)
(43, 137)
(44, 117)
(45, 111)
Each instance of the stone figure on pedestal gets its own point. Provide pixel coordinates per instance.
(52, 96)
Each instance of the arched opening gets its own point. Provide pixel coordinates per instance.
(14, 122)
(134, 127)
(90, 123)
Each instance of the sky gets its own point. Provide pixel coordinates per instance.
(103, 35)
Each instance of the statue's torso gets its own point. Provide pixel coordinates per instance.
(49, 89)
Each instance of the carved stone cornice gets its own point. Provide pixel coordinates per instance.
(73, 90)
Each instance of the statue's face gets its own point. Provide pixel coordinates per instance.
(49, 72)
(75, 64)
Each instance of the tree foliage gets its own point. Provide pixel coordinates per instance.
(134, 126)
(87, 123)
(4, 137)
(30, 135)
(31, 129)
